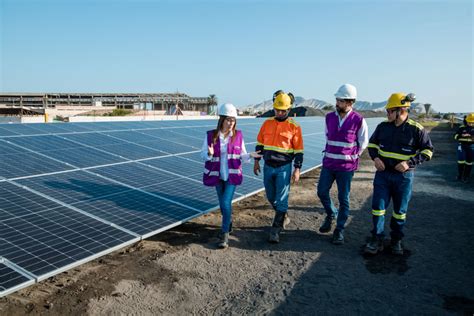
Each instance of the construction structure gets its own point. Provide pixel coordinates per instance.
(169, 103)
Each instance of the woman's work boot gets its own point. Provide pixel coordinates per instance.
(224, 242)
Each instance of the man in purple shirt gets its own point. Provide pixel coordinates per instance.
(346, 139)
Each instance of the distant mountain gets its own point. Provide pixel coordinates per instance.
(380, 106)
(299, 101)
(320, 104)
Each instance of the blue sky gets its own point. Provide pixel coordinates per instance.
(242, 51)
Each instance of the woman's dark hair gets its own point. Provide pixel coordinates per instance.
(222, 118)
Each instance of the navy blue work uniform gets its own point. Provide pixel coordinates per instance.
(393, 144)
(465, 151)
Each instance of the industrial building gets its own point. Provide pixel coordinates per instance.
(167, 103)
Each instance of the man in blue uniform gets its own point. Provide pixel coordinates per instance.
(465, 136)
(396, 147)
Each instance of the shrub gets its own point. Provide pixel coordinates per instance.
(118, 112)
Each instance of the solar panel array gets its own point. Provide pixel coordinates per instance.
(72, 192)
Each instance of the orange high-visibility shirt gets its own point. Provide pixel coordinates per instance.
(281, 138)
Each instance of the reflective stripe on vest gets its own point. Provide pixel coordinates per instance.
(280, 149)
(341, 144)
(388, 154)
(342, 147)
(211, 173)
(212, 167)
(341, 157)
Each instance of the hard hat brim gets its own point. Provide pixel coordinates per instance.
(281, 108)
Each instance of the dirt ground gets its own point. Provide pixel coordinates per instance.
(181, 271)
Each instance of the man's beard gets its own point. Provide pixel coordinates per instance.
(341, 110)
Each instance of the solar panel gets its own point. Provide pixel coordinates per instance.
(72, 187)
(135, 174)
(47, 242)
(18, 162)
(168, 147)
(83, 157)
(6, 132)
(92, 139)
(72, 192)
(178, 165)
(43, 237)
(195, 194)
(11, 280)
(138, 211)
(21, 129)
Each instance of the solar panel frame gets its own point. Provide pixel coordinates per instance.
(11, 279)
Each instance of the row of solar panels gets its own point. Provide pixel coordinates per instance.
(72, 192)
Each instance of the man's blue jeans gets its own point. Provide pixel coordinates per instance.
(277, 186)
(343, 180)
(396, 186)
(225, 193)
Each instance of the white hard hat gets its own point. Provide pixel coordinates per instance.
(346, 91)
(227, 109)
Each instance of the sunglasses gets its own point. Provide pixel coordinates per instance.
(390, 111)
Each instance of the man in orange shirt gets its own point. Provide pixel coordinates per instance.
(280, 142)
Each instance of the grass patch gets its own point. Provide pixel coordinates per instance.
(432, 123)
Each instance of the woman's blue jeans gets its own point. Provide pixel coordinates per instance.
(225, 193)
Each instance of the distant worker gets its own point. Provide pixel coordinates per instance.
(396, 147)
(223, 151)
(346, 139)
(280, 141)
(465, 137)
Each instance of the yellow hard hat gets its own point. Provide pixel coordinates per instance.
(282, 101)
(399, 100)
(470, 118)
